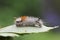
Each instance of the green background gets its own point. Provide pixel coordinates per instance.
(15, 8)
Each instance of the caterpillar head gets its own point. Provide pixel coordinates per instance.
(19, 21)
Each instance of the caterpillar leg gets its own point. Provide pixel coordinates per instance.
(37, 24)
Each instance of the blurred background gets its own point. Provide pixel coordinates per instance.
(48, 10)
